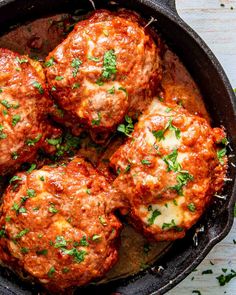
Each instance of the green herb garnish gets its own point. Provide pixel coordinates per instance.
(109, 65)
(38, 86)
(49, 63)
(76, 63)
(221, 154)
(126, 128)
(97, 121)
(31, 142)
(191, 207)
(155, 213)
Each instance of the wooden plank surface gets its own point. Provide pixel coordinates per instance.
(217, 26)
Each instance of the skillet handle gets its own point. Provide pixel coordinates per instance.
(170, 4)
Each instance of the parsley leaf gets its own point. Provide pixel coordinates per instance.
(96, 59)
(109, 65)
(49, 63)
(38, 86)
(31, 142)
(182, 179)
(145, 162)
(76, 63)
(97, 121)
(78, 255)
(128, 128)
(191, 207)
(171, 161)
(224, 279)
(15, 119)
(171, 225)
(155, 213)
(220, 155)
(60, 242)
(21, 60)
(169, 126)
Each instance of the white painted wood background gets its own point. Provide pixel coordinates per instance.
(217, 26)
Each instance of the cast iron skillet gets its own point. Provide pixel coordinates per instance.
(184, 256)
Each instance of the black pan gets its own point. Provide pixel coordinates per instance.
(184, 256)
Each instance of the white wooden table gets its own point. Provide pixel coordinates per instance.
(217, 26)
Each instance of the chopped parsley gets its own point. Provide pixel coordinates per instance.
(88, 191)
(83, 241)
(155, 213)
(76, 63)
(182, 179)
(42, 252)
(96, 238)
(109, 65)
(59, 78)
(4, 112)
(22, 233)
(171, 161)
(99, 82)
(24, 250)
(225, 141)
(49, 63)
(31, 168)
(207, 272)
(21, 60)
(160, 134)
(52, 209)
(65, 270)
(14, 156)
(124, 90)
(79, 256)
(3, 136)
(6, 104)
(145, 162)
(196, 292)
(2, 232)
(22, 210)
(15, 178)
(224, 279)
(42, 178)
(97, 121)
(191, 207)
(75, 86)
(127, 168)
(53, 88)
(54, 141)
(38, 86)
(31, 142)
(15, 119)
(220, 155)
(126, 128)
(111, 90)
(60, 242)
(171, 225)
(31, 193)
(8, 218)
(96, 59)
(51, 272)
(102, 220)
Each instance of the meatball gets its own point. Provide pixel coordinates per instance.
(58, 225)
(108, 64)
(24, 104)
(169, 169)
